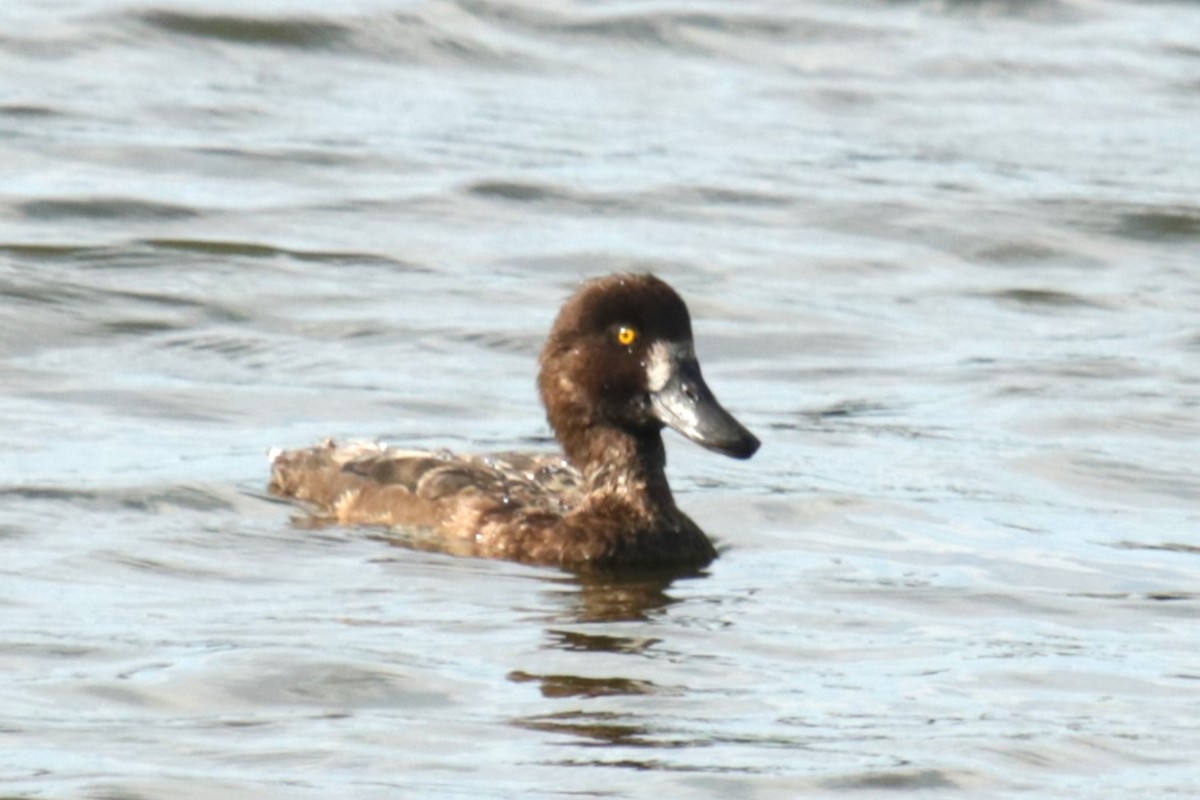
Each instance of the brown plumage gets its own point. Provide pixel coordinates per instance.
(617, 367)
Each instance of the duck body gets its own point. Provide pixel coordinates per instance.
(617, 368)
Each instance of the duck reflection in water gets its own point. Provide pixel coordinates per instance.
(596, 598)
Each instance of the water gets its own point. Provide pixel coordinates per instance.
(942, 259)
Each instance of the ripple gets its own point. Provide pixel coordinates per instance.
(512, 190)
(676, 28)
(1156, 225)
(1113, 477)
(719, 195)
(341, 685)
(300, 33)
(155, 500)
(528, 192)
(258, 250)
(232, 345)
(432, 35)
(41, 294)
(1169, 547)
(1017, 253)
(681, 200)
(101, 208)
(1043, 298)
(713, 33)
(1048, 10)
(28, 110)
(904, 781)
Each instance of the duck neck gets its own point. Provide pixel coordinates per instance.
(614, 460)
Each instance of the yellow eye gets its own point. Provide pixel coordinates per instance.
(627, 335)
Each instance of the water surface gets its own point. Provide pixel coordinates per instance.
(941, 257)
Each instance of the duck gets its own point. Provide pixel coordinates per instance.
(618, 367)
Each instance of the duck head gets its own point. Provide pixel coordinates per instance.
(620, 358)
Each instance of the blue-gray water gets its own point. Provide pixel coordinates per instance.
(943, 257)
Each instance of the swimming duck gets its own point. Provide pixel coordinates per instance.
(617, 368)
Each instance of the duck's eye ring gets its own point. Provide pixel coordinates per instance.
(627, 335)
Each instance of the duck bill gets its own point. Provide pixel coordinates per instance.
(684, 402)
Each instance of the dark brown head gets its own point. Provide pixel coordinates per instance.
(620, 357)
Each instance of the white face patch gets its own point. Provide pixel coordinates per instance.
(658, 366)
